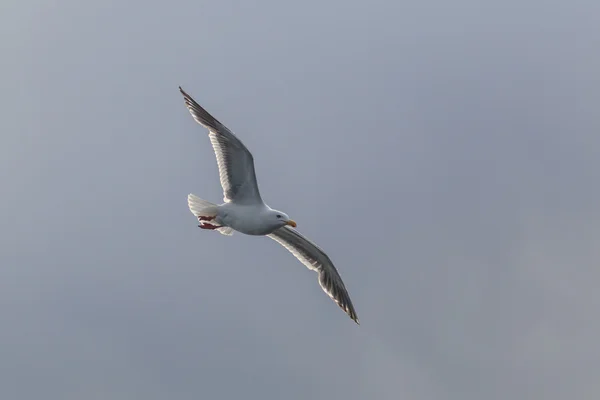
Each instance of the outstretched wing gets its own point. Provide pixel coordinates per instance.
(236, 164)
(315, 259)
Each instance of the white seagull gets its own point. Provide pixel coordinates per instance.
(244, 211)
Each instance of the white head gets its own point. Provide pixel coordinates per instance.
(281, 219)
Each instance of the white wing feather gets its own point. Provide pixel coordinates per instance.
(236, 164)
(315, 259)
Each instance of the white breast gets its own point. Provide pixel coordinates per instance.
(249, 219)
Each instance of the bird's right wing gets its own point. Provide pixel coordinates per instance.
(236, 164)
(315, 259)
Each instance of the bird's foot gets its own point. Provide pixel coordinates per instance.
(201, 218)
(208, 226)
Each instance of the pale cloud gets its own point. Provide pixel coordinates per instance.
(445, 156)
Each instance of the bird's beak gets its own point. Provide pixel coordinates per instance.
(291, 222)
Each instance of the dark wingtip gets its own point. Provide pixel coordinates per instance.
(349, 310)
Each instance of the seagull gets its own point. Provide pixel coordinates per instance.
(243, 209)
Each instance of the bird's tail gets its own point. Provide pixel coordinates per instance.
(205, 210)
(200, 207)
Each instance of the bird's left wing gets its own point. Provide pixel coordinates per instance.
(315, 259)
(236, 164)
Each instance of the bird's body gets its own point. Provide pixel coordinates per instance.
(244, 211)
(251, 219)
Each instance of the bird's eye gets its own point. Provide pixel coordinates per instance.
(278, 216)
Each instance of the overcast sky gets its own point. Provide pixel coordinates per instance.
(445, 154)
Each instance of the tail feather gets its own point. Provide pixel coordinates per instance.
(227, 231)
(202, 208)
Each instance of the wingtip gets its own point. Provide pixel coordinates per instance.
(349, 310)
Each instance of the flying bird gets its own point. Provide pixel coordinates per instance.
(244, 211)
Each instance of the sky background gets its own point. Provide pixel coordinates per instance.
(446, 155)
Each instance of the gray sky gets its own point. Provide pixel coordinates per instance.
(445, 154)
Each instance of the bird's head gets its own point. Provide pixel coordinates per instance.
(282, 219)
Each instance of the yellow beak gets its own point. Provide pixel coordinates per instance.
(291, 222)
